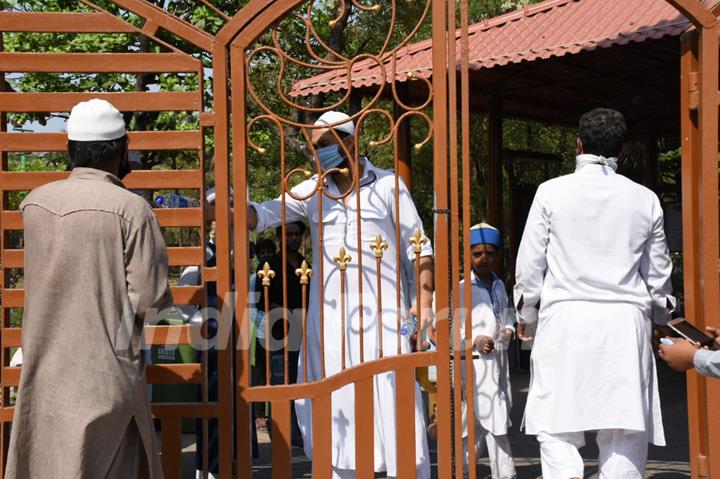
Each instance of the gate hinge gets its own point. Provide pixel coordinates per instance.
(702, 466)
(693, 91)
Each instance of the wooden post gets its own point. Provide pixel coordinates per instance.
(355, 103)
(404, 141)
(494, 169)
(651, 157)
(494, 165)
(512, 230)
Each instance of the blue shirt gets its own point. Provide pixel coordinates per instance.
(708, 363)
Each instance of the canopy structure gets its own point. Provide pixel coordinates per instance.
(551, 61)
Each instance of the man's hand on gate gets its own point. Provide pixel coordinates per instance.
(484, 344)
(506, 335)
(521, 327)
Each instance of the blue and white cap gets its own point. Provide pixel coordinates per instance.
(483, 233)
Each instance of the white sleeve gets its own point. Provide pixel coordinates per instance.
(409, 222)
(269, 213)
(656, 268)
(507, 313)
(531, 261)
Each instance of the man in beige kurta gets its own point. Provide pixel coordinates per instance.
(95, 263)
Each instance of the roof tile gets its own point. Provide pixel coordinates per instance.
(547, 29)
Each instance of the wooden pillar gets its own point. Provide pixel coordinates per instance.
(494, 174)
(512, 230)
(404, 141)
(651, 157)
(494, 165)
(355, 103)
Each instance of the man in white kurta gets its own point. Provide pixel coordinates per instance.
(593, 266)
(340, 228)
(492, 330)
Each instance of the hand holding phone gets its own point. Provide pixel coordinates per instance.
(688, 331)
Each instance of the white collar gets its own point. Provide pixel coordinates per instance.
(587, 159)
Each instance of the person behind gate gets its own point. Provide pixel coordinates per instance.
(333, 146)
(294, 233)
(95, 263)
(492, 331)
(593, 269)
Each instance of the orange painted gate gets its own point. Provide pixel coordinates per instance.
(231, 122)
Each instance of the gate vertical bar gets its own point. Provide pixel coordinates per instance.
(4, 314)
(696, 384)
(203, 235)
(281, 450)
(243, 420)
(442, 271)
(365, 428)
(466, 223)
(322, 433)
(224, 290)
(709, 183)
(458, 345)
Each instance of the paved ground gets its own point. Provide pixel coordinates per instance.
(669, 462)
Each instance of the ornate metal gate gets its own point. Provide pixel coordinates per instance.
(244, 44)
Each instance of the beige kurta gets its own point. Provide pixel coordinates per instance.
(95, 262)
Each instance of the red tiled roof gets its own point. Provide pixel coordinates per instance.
(552, 28)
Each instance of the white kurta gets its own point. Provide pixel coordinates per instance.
(491, 379)
(340, 229)
(594, 257)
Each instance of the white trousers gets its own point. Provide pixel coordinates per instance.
(499, 453)
(623, 454)
(199, 475)
(422, 472)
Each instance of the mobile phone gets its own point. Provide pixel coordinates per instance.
(688, 331)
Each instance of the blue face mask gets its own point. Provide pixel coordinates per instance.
(329, 156)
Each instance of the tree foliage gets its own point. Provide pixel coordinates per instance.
(348, 32)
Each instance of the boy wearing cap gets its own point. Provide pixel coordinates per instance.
(492, 330)
(332, 208)
(95, 263)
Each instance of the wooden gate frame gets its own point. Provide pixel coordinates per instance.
(170, 415)
(229, 49)
(699, 127)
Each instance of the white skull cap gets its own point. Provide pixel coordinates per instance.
(333, 117)
(95, 120)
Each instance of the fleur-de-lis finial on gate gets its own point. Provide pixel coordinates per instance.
(304, 272)
(342, 258)
(266, 274)
(418, 240)
(378, 246)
